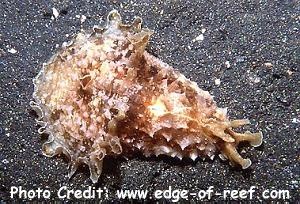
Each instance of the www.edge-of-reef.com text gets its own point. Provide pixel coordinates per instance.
(209, 194)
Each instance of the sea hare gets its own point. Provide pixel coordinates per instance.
(103, 94)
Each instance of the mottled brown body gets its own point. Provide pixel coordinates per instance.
(104, 95)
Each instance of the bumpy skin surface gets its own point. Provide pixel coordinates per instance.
(105, 95)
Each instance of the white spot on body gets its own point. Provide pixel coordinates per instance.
(194, 155)
(184, 143)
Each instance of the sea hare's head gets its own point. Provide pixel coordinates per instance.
(82, 92)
